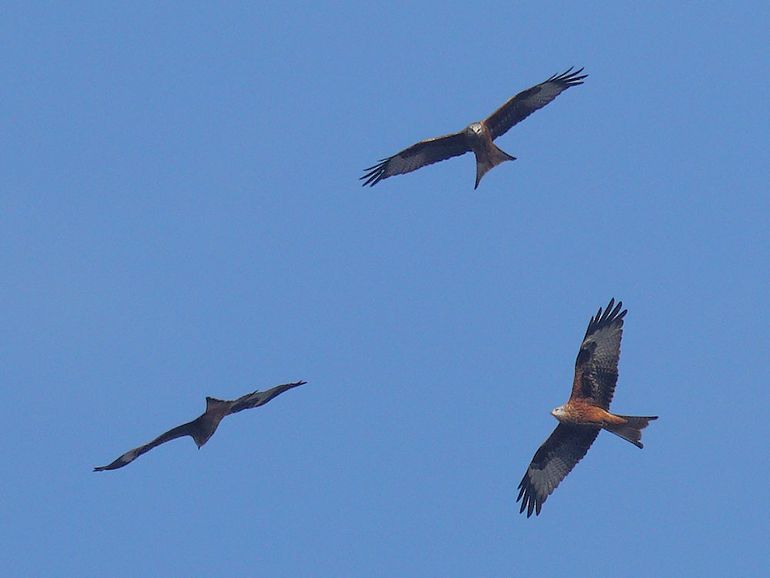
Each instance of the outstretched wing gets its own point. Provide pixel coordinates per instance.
(596, 366)
(564, 448)
(187, 429)
(257, 398)
(418, 155)
(528, 101)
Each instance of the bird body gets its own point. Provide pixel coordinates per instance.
(581, 413)
(586, 412)
(488, 154)
(477, 136)
(208, 422)
(203, 427)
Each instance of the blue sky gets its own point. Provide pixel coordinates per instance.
(180, 216)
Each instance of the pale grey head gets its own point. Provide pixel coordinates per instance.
(475, 131)
(559, 413)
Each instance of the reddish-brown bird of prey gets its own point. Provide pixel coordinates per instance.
(477, 136)
(585, 414)
(203, 427)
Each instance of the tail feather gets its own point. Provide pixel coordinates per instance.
(495, 157)
(631, 430)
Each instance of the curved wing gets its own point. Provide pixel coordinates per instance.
(187, 429)
(416, 156)
(528, 101)
(257, 398)
(596, 366)
(564, 448)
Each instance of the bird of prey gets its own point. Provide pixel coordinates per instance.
(585, 414)
(203, 427)
(477, 136)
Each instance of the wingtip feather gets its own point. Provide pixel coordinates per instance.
(375, 173)
(613, 313)
(569, 77)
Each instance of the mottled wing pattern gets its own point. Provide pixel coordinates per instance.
(596, 366)
(257, 398)
(528, 101)
(418, 155)
(187, 429)
(564, 448)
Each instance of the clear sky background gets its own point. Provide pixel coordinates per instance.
(180, 216)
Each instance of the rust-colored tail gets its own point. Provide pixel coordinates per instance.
(631, 430)
(495, 156)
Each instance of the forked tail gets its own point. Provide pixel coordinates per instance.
(631, 430)
(495, 155)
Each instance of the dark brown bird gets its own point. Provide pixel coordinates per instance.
(585, 414)
(477, 136)
(203, 427)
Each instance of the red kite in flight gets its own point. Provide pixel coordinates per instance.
(203, 427)
(477, 136)
(586, 412)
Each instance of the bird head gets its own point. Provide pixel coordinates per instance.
(474, 129)
(559, 412)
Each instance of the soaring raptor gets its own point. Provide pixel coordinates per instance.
(203, 427)
(477, 136)
(585, 414)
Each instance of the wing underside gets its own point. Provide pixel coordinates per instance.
(417, 156)
(596, 366)
(555, 458)
(528, 101)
